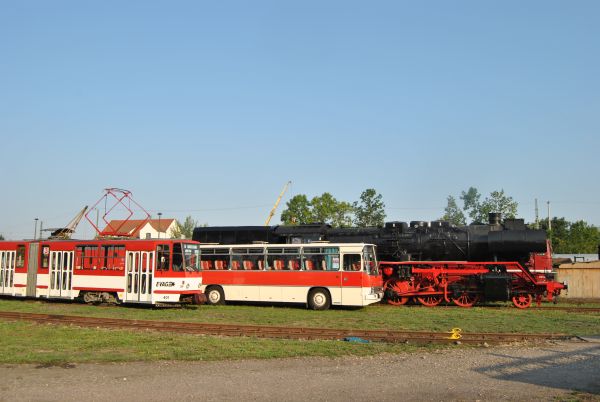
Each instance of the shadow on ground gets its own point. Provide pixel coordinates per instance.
(571, 370)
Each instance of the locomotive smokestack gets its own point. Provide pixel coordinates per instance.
(494, 218)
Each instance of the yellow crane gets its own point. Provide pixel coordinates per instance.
(277, 203)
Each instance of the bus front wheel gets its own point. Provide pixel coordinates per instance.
(319, 299)
(215, 295)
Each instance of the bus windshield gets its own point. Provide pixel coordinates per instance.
(370, 260)
(191, 255)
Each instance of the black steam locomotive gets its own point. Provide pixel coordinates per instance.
(510, 240)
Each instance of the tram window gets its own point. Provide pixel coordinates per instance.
(20, 257)
(177, 257)
(163, 253)
(351, 262)
(46, 257)
(85, 257)
(113, 257)
(191, 254)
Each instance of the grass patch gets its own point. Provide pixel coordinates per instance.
(477, 319)
(23, 342)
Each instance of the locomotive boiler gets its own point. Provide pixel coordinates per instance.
(510, 240)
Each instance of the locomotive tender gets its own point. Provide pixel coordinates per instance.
(432, 262)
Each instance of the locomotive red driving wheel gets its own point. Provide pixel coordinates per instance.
(465, 300)
(522, 301)
(430, 300)
(393, 289)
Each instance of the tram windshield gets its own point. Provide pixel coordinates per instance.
(191, 256)
(370, 259)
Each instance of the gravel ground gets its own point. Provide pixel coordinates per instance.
(545, 372)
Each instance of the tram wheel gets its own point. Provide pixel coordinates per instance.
(215, 295)
(522, 301)
(319, 299)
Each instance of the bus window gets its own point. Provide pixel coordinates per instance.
(321, 259)
(163, 254)
(215, 258)
(254, 260)
(332, 259)
(237, 258)
(351, 262)
(370, 259)
(275, 259)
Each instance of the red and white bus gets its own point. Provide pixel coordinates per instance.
(318, 274)
(115, 271)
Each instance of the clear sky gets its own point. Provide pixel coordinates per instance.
(208, 108)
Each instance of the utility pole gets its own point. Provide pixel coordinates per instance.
(35, 229)
(159, 215)
(537, 217)
(549, 222)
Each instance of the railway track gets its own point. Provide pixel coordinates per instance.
(413, 337)
(541, 308)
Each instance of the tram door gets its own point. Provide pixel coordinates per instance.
(61, 274)
(139, 276)
(7, 271)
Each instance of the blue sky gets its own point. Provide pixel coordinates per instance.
(208, 108)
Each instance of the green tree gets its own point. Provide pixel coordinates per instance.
(478, 210)
(298, 211)
(185, 230)
(370, 211)
(471, 202)
(327, 209)
(453, 214)
(1, 237)
(342, 217)
(497, 202)
(572, 237)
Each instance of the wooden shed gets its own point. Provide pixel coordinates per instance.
(583, 279)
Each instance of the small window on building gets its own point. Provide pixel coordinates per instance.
(148, 235)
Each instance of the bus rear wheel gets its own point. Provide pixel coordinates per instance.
(215, 295)
(319, 299)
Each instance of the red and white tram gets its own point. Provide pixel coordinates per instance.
(318, 274)
(117, 271)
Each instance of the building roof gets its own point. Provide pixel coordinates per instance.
(129, 226)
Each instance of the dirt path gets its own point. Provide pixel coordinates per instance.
(506, 373)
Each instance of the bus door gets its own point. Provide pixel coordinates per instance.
(352, 279)
(7, 271)
(139, 266)
(61, 273)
